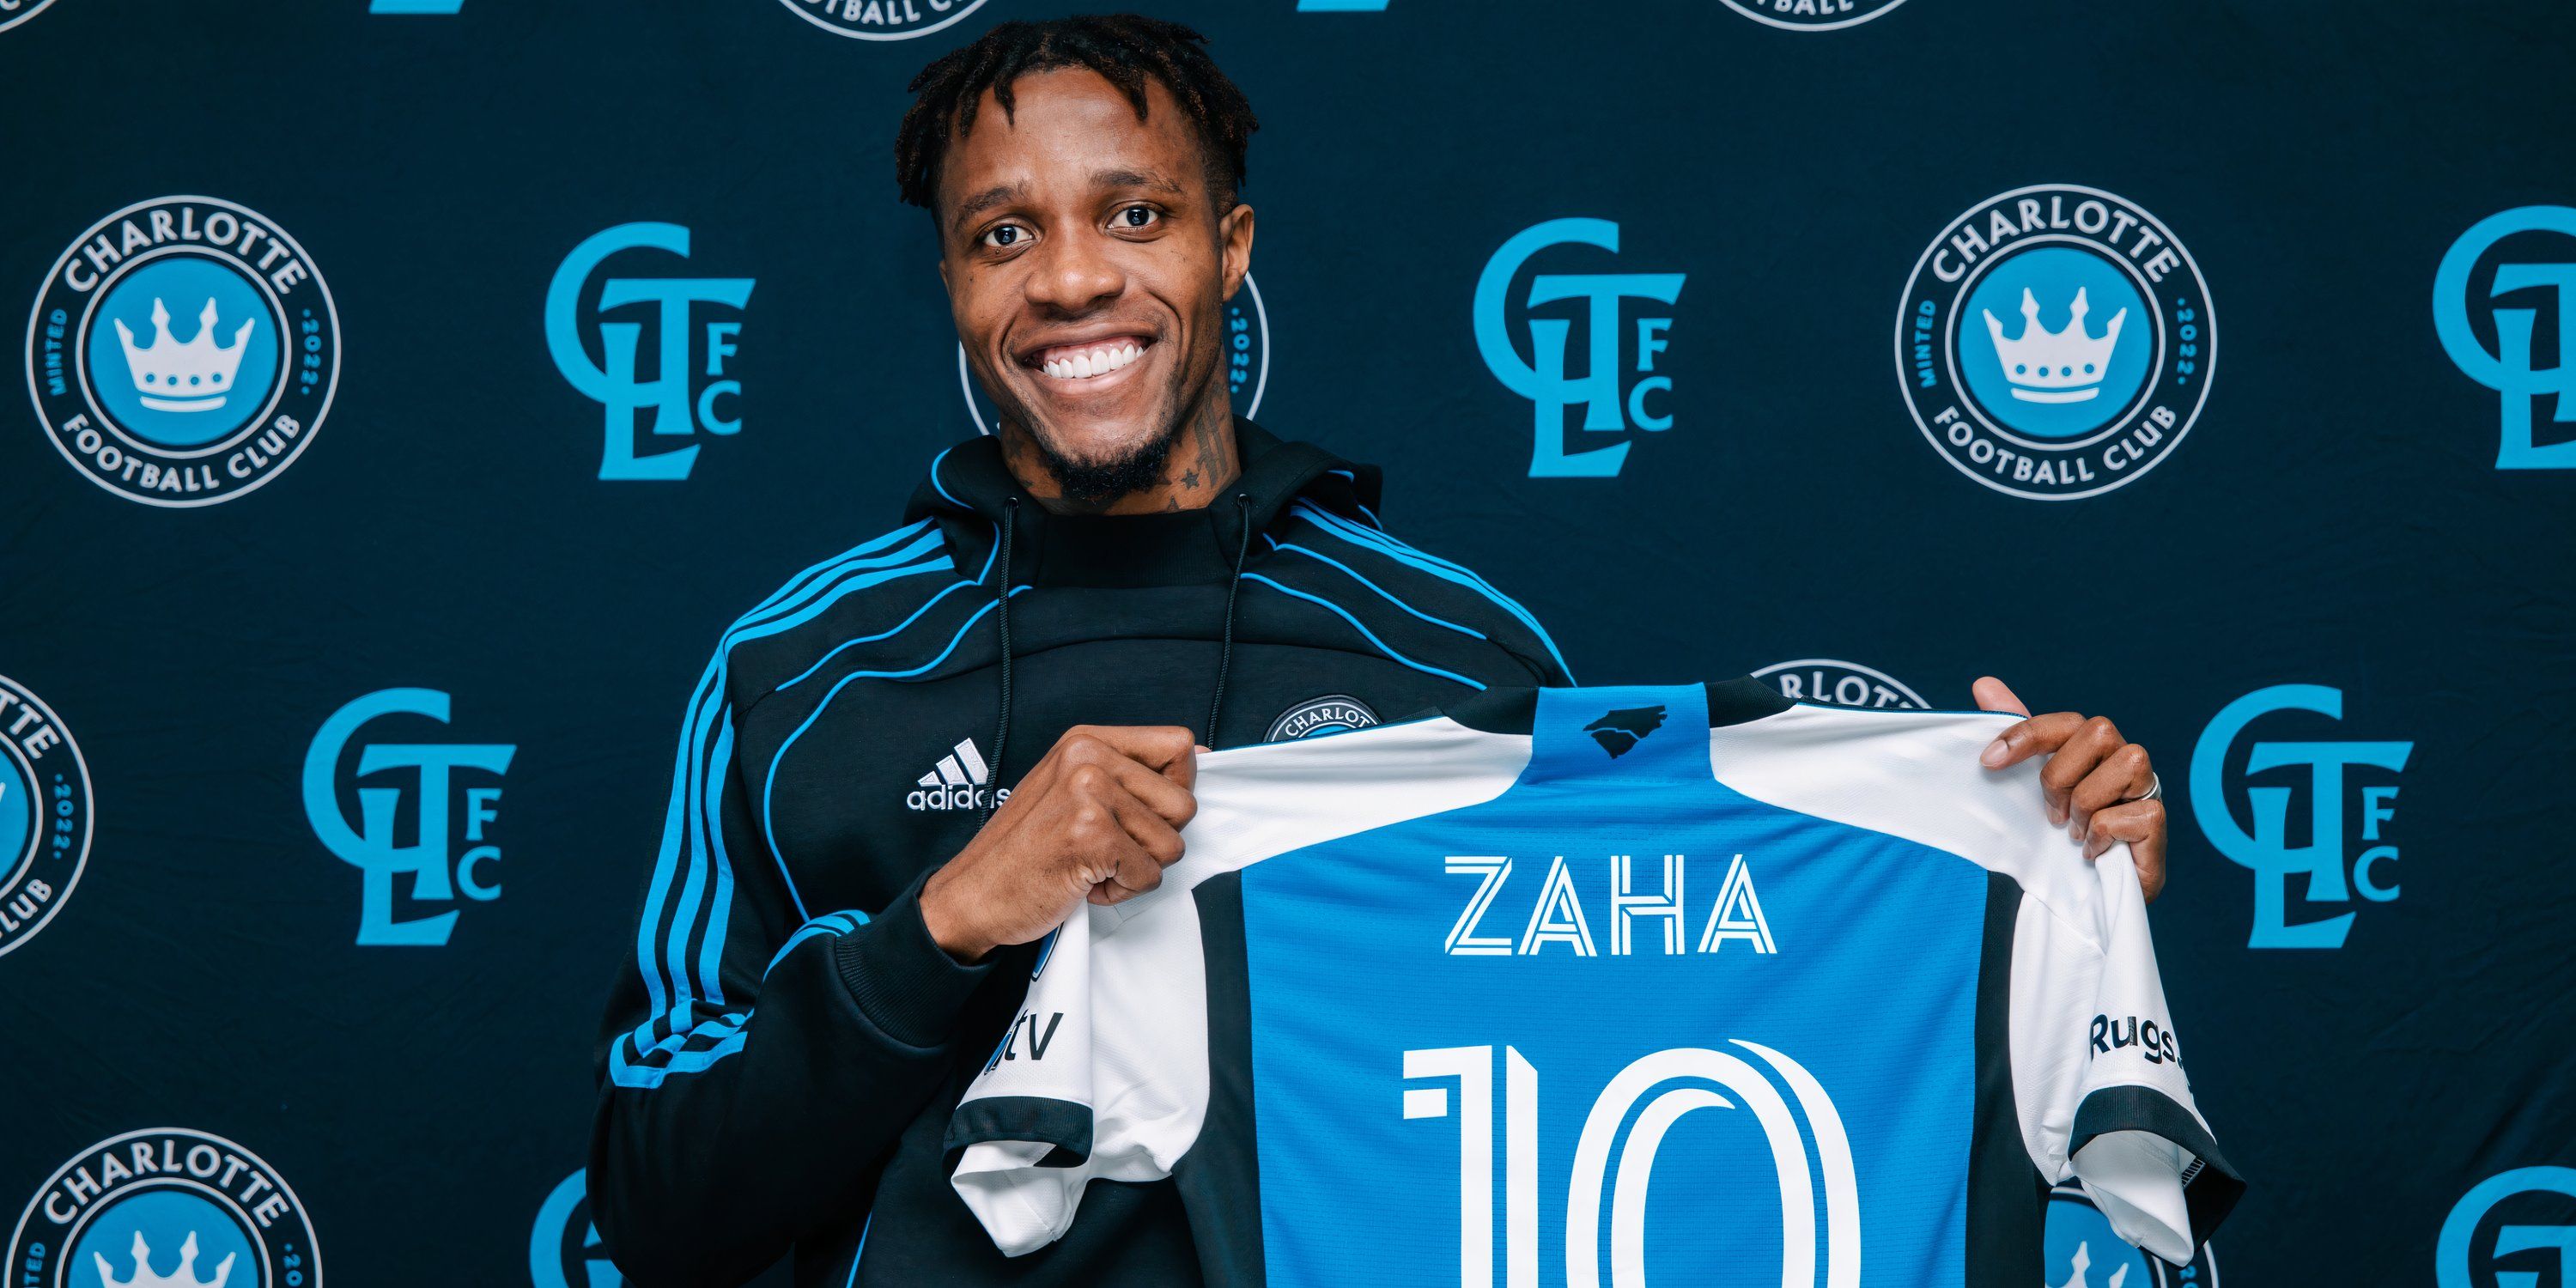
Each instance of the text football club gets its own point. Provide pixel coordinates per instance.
(2333, 876)
(44, 814)
(1812, 15)
(2541, 282)
(1611, 396)
(166, 1207)
(2055, 342)
(881, 19)
(438, 800)
(1243, 349)
(182, 351)
(682, 397)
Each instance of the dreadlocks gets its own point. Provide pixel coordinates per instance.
(1123, 48)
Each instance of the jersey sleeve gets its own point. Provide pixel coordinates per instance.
(2097, 1068)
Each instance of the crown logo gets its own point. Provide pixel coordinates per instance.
(186, 1277)
(183, 377)
(2083, 1263)
(2062, 367)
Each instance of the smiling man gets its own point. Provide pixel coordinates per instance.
(860, 854)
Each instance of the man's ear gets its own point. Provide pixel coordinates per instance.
(1234, 242)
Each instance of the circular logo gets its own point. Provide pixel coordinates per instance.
(2085, 1252)
(2055, 342)
(1315, 717)
(1840, 684)
(182, 351)
(881, 19)
(165, 1206)
(1245, 351)
(44, 814)
(1812, 15)
(2518, 1248)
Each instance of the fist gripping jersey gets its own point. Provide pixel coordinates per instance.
(1610, 985)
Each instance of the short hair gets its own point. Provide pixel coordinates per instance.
(1124, 49)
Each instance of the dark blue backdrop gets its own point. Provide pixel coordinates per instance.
(2371, 502)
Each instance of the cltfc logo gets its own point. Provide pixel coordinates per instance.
(44, 814)
(165, 1208)
(1245, 343)
(2055, 342)
(2532, 1244)
(2267, 848)
(881, 19)
(436, 875)
(615, 383)
(1840, 684)
(2505, 366)
(1812, 15)
(563, 1249)
(182, 352)
(1611, 403)
(2085, 1252)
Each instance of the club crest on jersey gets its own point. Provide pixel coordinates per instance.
(44, 814)
(1828, 682)
(563, 1247)
(2266, 849)
(167, 1207)
(2055, 342)
(2083, 1251)
(680, 401)
(437, 875)
(1620, 731)
(1557, 918)
(1316, 717)
(182, 352)
(1245, 343)
(961, 780)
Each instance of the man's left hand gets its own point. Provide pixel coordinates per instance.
(2093, 780)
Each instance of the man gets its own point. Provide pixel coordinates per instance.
(860, 850)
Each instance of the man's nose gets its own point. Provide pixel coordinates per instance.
(1072, 275)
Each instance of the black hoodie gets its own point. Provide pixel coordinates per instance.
(782, 1054)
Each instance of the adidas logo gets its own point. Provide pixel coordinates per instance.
(1619, 730)
(957, 782)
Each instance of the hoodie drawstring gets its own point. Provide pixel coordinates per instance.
(1233, 588)
(1002, 723)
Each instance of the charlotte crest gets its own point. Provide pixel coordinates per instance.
(2055, 342)
(165, 1205)
(44, 814)
(182, 351)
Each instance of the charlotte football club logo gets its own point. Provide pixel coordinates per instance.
(2055, 342)
(438, 875)
(684, 396)
(1840, 684)
(2515, 1229)
(1812, 15)
(1245, 345)
(881, 19)
(2331, 796)
(44, 814)
(1316, 717)
(2492, 345)
(2085, 1252)
(1613, 398)
(167, 1207)
(182, 352)
(564, 1249)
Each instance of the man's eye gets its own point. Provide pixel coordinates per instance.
(1138, 216)
(1005, 236)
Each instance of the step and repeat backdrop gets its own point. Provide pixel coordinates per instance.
(414, 389)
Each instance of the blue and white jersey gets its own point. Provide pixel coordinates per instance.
(1609, 986)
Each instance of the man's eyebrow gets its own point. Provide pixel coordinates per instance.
(1133, 179)
(986, 200)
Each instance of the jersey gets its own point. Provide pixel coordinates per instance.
(1567, 986)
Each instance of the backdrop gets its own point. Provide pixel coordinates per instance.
(412, 396)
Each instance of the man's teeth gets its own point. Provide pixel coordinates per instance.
(1092, 362)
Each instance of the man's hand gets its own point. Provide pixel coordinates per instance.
(1099, 819)
(2092, 780)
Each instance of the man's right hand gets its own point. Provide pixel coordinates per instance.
(1099, 819)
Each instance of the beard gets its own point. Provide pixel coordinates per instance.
(1092, 483)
